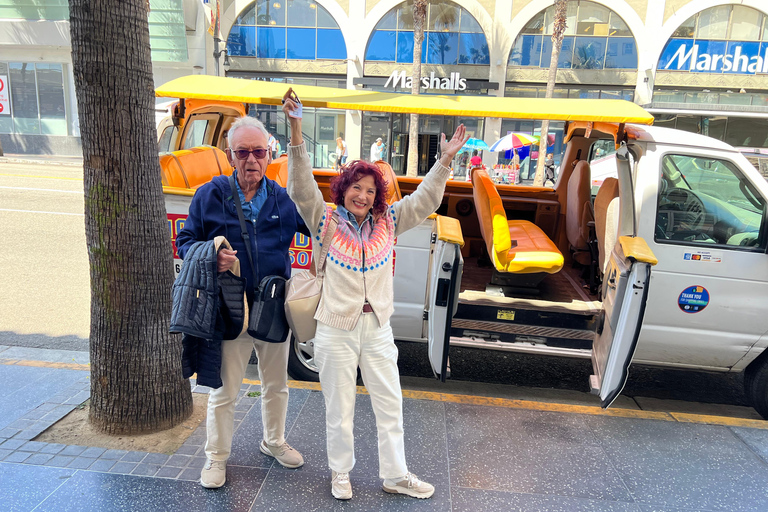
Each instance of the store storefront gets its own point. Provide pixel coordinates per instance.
(712, 76)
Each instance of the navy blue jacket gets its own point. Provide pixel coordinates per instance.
(213, 213)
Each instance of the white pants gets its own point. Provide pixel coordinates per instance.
(273, 364)
(338, 353)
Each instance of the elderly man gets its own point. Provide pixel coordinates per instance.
(271, 221)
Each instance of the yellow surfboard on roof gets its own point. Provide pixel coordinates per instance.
(270, 93)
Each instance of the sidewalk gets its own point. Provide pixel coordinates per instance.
(480, 453)
(72, 161)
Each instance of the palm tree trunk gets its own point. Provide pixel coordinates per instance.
(419, 19)
(557, 44)
(136, 381)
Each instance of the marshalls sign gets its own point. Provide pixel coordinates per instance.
(5, 106)
(703, 56)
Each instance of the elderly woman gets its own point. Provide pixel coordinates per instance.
(353, 315)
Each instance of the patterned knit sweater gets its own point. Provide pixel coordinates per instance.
(358, 268)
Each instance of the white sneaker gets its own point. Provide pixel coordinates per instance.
(213, 474)
(341, 487)
(409, 485)
(286, 455)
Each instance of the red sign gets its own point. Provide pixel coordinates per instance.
(5, 108)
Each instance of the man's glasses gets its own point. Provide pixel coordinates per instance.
(242, 154)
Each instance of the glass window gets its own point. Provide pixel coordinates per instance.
(621, 53)
(473, 49)
(271, 43)
(704, 200)
(687, 29)
(565, 59)
(196, 133)
(50, 90)
(591, 30)
(325, 20)
(24, 97)
(270, 13)
(589, 52)
(713, 23)
(452, 35)
(748, 132)
(242, 41)
(301, 43)
(443, 48)
(443, 17)
(469, 24)
(302, 13)
(527, 51)
(744, 25)
(381, 46)
(330, 44)
(166, 139)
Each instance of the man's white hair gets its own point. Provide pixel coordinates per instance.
(246, 121)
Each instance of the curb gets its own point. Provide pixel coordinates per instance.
(29, 160)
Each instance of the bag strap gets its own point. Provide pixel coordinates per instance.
(332, 225)
(244, 231)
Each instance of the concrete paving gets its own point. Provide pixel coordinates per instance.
(483, 447)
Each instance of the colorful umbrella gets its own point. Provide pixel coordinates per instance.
(514, 140)
(473, 143)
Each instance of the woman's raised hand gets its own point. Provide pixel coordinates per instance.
(289, 105)
(448, 149)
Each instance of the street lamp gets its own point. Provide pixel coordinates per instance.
(217, 55)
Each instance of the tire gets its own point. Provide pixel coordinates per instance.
(756, 384)
(301, 364)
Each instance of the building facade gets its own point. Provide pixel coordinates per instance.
(698, 65)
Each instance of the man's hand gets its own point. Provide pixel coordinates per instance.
(289, 105)
(448, 149)
(226, 259)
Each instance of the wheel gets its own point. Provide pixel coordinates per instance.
(301, 360)
(756, 384)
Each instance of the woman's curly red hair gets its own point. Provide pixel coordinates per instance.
(353, 172)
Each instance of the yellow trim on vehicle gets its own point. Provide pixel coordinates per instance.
(636, 248)
(449, 230)
(176, 191)
(271, 93)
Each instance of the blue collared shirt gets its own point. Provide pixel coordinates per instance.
(252, 208)
(346, 214)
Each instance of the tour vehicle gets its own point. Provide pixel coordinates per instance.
(665, 266)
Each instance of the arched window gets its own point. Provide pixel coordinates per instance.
(722, 39)
(286, 29)
(595, 38)
(451, 36)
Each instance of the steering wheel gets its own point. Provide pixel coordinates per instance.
(688, 202)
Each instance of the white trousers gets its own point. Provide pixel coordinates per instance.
(338, 354)
(273, 364)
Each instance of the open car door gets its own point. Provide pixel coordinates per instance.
(443, 293)
(625, 291)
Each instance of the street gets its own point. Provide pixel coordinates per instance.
(44, 299)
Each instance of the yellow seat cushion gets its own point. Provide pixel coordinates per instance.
(194, 167)
(533, 253)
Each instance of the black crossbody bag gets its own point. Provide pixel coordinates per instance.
(266, 320)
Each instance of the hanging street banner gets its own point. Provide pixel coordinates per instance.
(709, 56)
(5, 106)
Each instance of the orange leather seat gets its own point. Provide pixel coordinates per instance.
(278, 170)
(194, 167)
(393, 189)
(532, 253)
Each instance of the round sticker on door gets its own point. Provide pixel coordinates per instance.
(693, 299)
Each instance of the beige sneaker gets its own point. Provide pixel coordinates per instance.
(410, 485)
(213, 474)
(287, 457)
(341, 487)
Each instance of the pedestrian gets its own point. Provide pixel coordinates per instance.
(212, 213)
(353, 328)
(272, 145)
(549, 169)
(376, 150)
(476, 160)
(341, 151)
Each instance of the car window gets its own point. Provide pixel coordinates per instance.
(707, 200)
(195, 133)
(166, 139)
